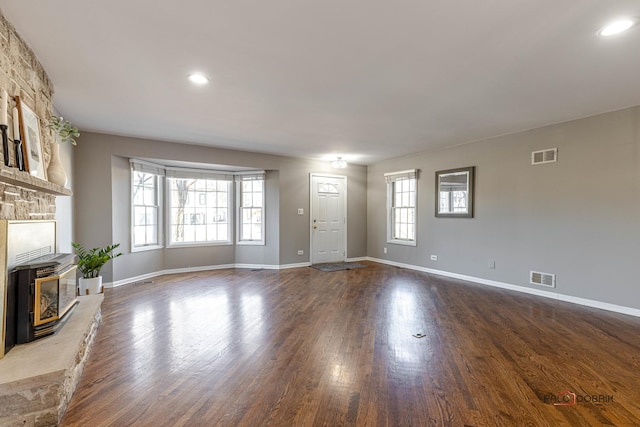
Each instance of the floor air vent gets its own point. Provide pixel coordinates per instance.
(544, 156)
(542, 279)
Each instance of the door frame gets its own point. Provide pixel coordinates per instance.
(311, 195)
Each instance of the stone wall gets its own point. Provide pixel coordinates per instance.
(22, 74)
(22, 203)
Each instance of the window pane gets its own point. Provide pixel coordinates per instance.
(246, 216)
(144, 187)
(246, 233)
(222, 199)
(151, 234)
(250, 203)
(139, 235)
(201, 233)
(151, 214)
(256, 214)
(197, 207)
(256, 231)
(257, 200)
(138, 196)
(149, 196)
(223, 232)
(402, 204)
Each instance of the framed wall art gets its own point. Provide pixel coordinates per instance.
(32, 140)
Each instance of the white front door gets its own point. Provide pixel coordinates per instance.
(328, 218)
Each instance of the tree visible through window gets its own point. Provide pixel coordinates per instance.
(145, 209)
(198, 210)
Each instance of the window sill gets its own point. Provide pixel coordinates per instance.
(197, 244)
(251, 243)
(146, 248)
(402, 242)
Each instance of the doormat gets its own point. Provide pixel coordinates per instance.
(336, 266)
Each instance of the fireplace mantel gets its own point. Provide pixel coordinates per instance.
(25, 197)
(22, 179)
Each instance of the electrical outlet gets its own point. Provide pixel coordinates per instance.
(434, 257)
(492, 265)
(300, 211)
(300, 252)
(384, 250)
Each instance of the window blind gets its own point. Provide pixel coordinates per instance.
(182, 173)
(146, 167)
(397, 176)
(250, 176)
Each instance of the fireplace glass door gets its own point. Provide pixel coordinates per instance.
(54, 296)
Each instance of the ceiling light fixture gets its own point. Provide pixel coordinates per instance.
(198, 78)
(616, 27)
(340, 163)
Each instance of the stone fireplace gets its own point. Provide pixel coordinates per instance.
(38, 378)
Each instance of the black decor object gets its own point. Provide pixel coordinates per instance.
(5, 144)
(18, 152)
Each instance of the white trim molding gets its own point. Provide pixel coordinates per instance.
(538, 292)
(542, 293)
(144, 277)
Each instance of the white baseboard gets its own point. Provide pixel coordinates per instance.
(539, 292)
(143, 277)
(542, 293)
(296, 265)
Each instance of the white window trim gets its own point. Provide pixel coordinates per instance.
(391, 177)
(164, 222)
(230, 216)
(239, 241)
(157, 170)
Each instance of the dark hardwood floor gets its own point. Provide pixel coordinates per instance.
(302, 347)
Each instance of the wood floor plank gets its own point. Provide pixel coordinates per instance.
(302, 347)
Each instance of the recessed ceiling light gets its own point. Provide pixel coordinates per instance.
(198, 78)
(616, 27)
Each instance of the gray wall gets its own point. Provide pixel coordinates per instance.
(102, 197)
(578, 218)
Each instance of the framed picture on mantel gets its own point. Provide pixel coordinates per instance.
(32, 140)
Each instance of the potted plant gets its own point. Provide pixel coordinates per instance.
(65, 132)
(64, 129)
(90, 262)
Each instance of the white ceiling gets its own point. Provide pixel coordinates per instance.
(370, 79)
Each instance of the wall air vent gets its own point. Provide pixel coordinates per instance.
(544, 156)
(542, 279)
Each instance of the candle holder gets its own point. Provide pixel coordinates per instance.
(19, 160)
(5, 144)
